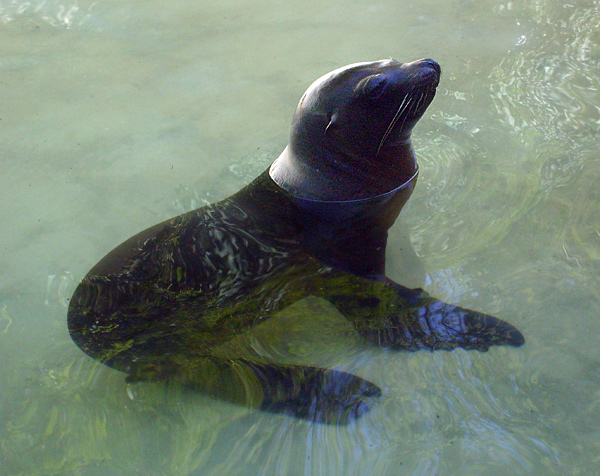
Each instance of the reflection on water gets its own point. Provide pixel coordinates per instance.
(545, 91)
(55, 13)
(505, 219)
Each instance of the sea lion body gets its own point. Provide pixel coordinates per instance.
(315, 223)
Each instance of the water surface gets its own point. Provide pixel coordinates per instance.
(115, 115)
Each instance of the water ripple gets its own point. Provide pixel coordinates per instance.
(470, 195)
(55, 13)
(546, 90)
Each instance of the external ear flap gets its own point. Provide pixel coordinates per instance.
(329, 130)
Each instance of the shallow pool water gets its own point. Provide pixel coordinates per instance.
(115, 115)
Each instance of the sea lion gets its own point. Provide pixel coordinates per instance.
(315, 223)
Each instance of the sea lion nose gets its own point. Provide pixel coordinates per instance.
(427, 69)
(428, 62)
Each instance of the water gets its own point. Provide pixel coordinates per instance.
(115, 115)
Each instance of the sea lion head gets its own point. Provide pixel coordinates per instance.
(350, 135)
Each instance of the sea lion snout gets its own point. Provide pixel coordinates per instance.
(428, 62)
(426, 70)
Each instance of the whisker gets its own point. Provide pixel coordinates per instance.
(418, 103)
(403, 106)
(414, 108)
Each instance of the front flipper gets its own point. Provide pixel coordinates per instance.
(436, 325)
(399, 318)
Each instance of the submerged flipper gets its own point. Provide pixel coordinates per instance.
(399, 318)
(436, 325)
(311, 393)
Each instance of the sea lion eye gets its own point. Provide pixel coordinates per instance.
(372, 86)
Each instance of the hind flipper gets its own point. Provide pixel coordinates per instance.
(313, 393)
(310, 393)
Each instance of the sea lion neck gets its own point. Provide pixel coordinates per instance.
(327, 176)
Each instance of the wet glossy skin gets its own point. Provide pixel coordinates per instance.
(158, 305)
(350, 135)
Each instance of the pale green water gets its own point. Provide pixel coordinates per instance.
(115, 115)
